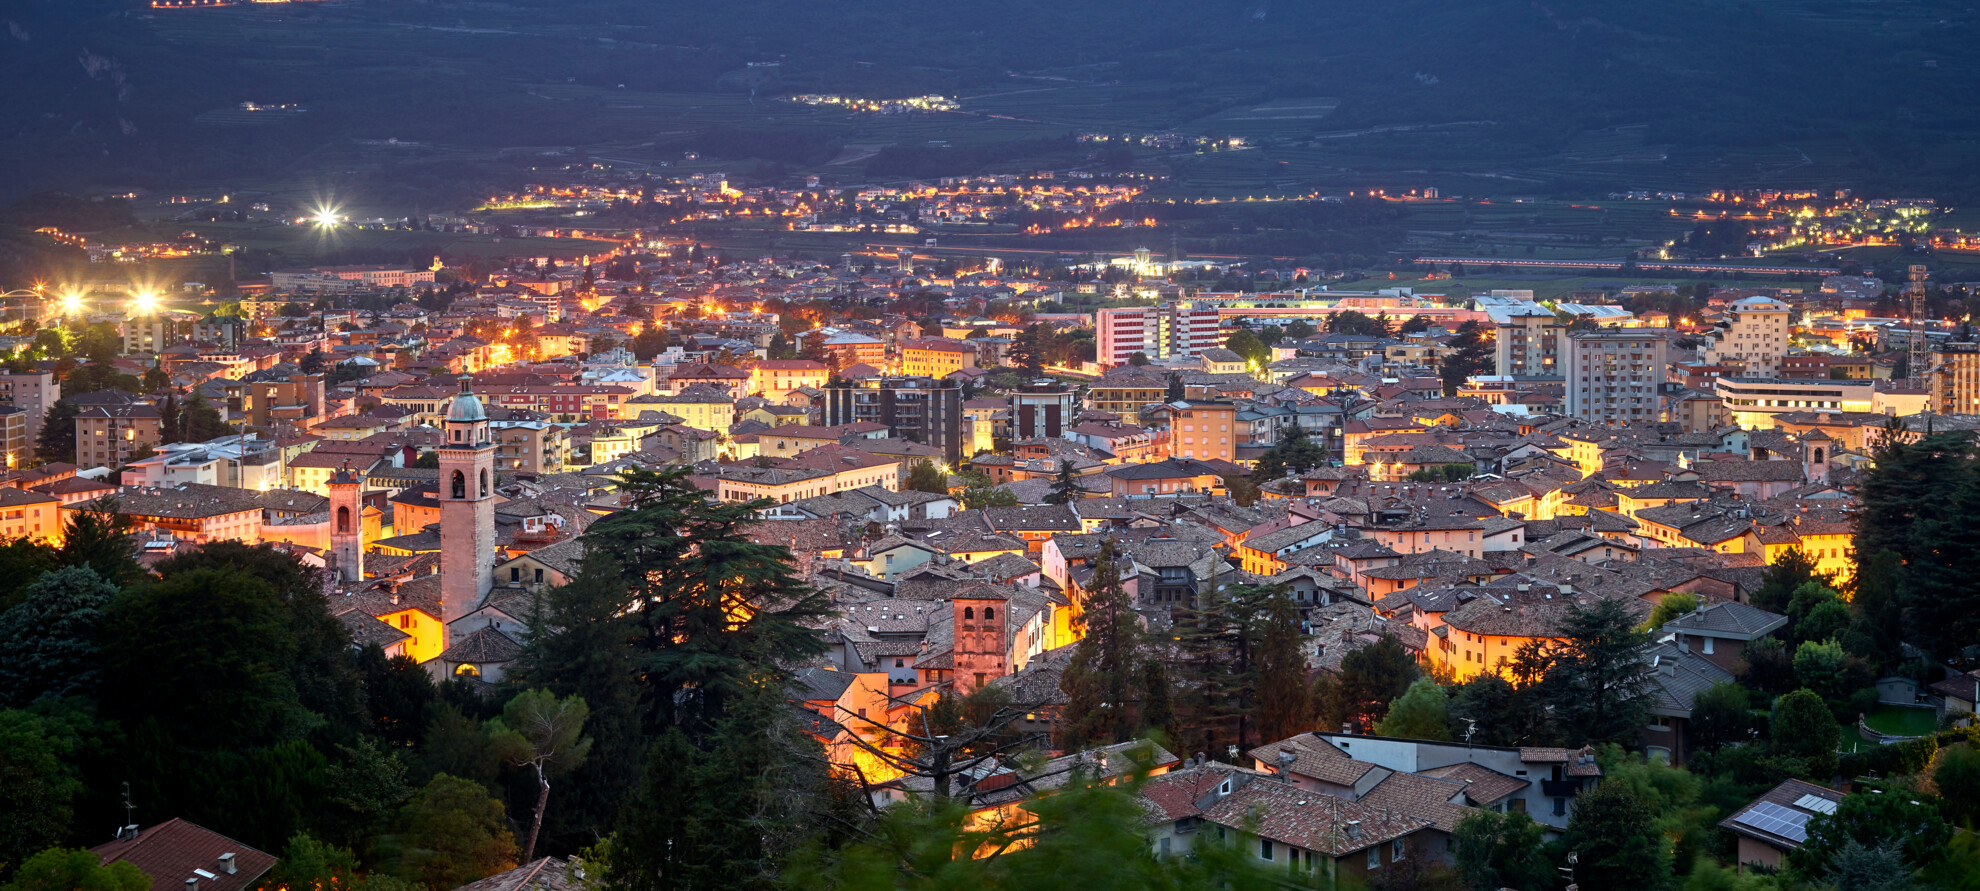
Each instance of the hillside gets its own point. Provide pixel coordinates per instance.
(1577, 95)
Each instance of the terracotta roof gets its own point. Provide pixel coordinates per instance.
(174, 851)
(483, 646)
(1482, 785)
(1311, 820)
(545, 874)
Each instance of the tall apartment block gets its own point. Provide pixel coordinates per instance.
(1612, 375)
(925, 410)
(1954, 378)
(34, 392)
(1754, 332)
(1180, 329)
(1529, 339)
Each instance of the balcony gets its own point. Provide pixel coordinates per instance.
(1559, 788)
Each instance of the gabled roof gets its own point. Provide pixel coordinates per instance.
(174, 851)
(1727, 619)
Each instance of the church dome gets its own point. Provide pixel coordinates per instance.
(465, 407)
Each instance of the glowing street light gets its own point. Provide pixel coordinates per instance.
(144, 302)
(71, 302)
(325, 216)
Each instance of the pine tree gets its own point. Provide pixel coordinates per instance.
(1372, 677)
(1941, 602)
(711, 612)
(1285, 699)
(1595, 681)
(1065, 485)
(1103, 704)
(51, 638)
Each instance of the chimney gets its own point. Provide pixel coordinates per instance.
(1354, 829)
(227, 863)
(192, 883)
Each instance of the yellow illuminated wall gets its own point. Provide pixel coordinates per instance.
(428, 637)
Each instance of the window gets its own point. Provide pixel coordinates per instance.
(1395, 850)
(515, 574)
(539, 575)
(1264, 849)
(1375, 857)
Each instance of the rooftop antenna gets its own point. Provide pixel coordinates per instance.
(129, 824)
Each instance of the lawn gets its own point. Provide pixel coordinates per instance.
(1897, 720)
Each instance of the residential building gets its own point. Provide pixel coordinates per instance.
(179, 856)
(1127, 394)
(1754, 332)
(32, 515)
(189, 512)
(701, 407)
(936, 357)
(1776, 824)
(1612, 375)
(1203, 430)
(1181, 329)
(148, 334)
(924, 410)
(527, 442)
(33, 392)
(1530, 342)
(107, 435)
(775, 379)
(846, 348)
(15, 443)
(1954, 378)
(1040, 408)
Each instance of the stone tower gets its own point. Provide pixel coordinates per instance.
(1817, 448)
(347, 523)
(980, 636)
(467, 508)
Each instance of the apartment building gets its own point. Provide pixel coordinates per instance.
(1040, 408)
(1529, 339)
(107, 435)
(924, 410)
(32, 392)
(14, 441)
(1955, 378)
(1202, 430)
(775, 379)
(1173, 329)
(1612, 375)
(936, 357)
(1753, 332)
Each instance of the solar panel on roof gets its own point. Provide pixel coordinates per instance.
(1774, 819)
(1816, 803)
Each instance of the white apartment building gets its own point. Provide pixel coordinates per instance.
(1754, 332)
(1612, 375)
(1158, 332)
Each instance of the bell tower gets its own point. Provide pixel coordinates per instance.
(467, 508)
(347, 523)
